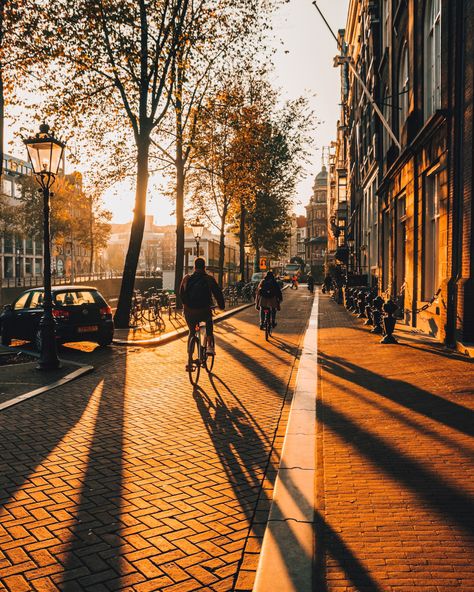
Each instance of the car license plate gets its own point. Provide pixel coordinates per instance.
(88, 329)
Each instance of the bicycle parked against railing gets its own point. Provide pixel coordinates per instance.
(198, 354)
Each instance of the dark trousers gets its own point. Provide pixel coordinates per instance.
(193, 317)
(262, 315)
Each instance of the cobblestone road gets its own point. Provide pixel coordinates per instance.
(396, 470)
(127, 480)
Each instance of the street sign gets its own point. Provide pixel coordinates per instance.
(263, 263)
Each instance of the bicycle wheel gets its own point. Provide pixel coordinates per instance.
(209, 361)
(194, 363)
(268, 326)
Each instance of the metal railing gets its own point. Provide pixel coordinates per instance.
(36, 281)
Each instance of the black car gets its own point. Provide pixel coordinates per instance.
(81, 314)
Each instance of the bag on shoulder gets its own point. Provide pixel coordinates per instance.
(198, 292)
(267, 289)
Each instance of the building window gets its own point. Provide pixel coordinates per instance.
(28, 266)
(8, 243)
(403, 86)
(386, 24)
(8, 267)
(432, 56)
(432, 243)
(38, 266)
(386, 110)
(401, 245)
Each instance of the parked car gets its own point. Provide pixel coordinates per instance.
(258, 276)
(81, 314)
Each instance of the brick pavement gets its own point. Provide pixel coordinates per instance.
(395, 459)
(127, 480)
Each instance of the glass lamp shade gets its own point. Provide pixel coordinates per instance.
(198, 228)
(247, 249)
(45, 151)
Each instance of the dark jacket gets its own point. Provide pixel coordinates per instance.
(273, 301)
(214, 289)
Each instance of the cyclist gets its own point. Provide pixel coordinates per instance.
(310, 283)
(196, 292)
(269, 295)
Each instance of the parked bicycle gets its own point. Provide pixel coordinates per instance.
(198, 356)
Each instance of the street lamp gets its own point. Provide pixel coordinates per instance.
(17, 270)
(198, 228)
(247, 249)
(45, 153)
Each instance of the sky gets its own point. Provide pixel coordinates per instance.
(303, 66)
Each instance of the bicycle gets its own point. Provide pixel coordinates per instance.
(267, 323)
(197, 353)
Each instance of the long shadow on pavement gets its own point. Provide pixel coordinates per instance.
(437, 493)
(95, 541)
(404, 393)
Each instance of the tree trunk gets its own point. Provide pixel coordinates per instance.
(2, 98)
(221, 255)
(136, 235)
(256, 261)
(91, 236)
(180, 177)
(243, 213)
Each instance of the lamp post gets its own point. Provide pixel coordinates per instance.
(18, 267)
(198, 228)
(247, 249)
(45, 153)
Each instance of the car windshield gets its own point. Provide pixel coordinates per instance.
(74, 298)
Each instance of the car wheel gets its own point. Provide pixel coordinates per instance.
(38, 341)
(5, 339)
(105, 341)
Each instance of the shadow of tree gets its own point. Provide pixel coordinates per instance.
(404, 393)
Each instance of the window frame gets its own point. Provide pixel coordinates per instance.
(432, 57)
(403, 89)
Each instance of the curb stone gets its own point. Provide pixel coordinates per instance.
(288, 547)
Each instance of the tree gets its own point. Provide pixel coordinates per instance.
(112, 63)
(211, 40)
(213, 175)
(76, 216)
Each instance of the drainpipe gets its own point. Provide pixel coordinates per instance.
(458, 181)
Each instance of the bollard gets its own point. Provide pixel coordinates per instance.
(349, 297)
(389, 322)
(368, 308)
(361, 302)
(377, 315)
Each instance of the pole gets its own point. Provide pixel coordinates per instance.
(49, 356)
(348, 60)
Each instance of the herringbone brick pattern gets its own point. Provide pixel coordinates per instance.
(129, 480)
(396, 470)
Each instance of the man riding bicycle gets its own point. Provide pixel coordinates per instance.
(269, 296)
(196, 292)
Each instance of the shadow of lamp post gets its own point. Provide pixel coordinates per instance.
(45, 153)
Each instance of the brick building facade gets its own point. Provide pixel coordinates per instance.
(411, 213)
